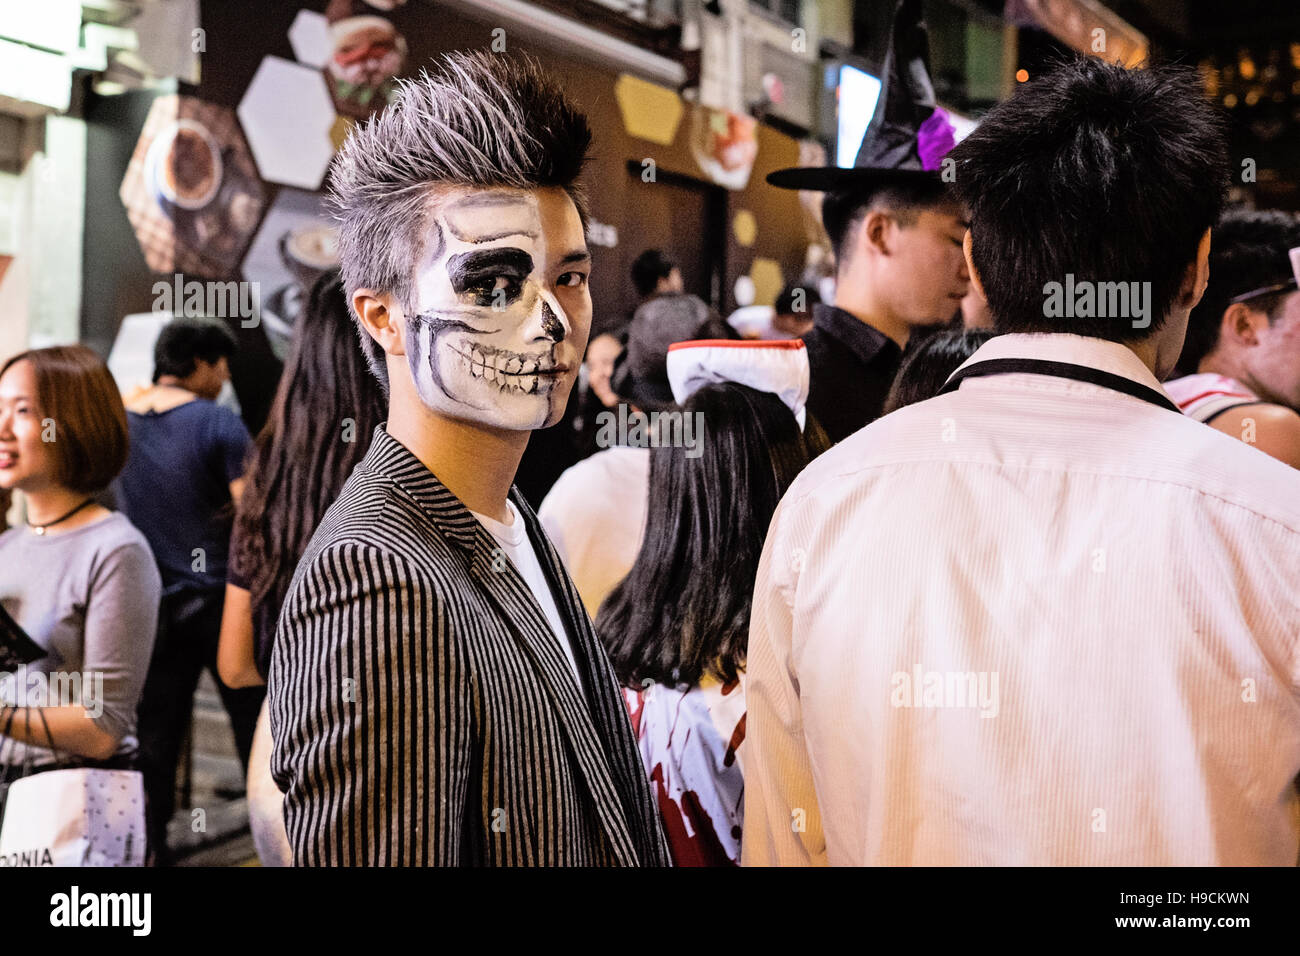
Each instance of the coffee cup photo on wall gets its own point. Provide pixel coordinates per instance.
(191, 189)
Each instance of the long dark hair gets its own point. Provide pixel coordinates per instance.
(925, 369)
(683, 610)
(303, 454)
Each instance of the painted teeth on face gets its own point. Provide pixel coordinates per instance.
(509, 373)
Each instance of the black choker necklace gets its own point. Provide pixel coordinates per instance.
(40, 528)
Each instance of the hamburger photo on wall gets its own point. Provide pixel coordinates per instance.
(368, 53)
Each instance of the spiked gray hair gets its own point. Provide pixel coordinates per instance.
(480, 119)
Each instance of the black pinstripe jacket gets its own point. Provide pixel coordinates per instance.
(421, 709)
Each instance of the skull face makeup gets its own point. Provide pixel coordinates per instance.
(503, 307)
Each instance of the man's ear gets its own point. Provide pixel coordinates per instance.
(967, 245)
(877, 231)
(1240, 325)
(1197, 275)
(382, 319)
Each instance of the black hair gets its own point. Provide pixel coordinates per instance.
(683, 610)
(181, 341)
(325, 410)
(1248, 252)
(1097, 171)
(785, 302)
(844, 209)
(648, 268)
(927, 367)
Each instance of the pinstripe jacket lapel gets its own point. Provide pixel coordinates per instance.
(606, 707)
(597, 727)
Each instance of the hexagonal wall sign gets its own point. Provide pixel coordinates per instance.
(191, 190)
(309, 35)
(649, 111)
(287, 115)
(296, 243)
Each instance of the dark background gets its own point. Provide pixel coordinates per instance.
(682, 211)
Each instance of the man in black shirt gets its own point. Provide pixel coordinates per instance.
(900, 268)
(896, 231)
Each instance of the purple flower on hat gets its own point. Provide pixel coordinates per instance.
(935, 138)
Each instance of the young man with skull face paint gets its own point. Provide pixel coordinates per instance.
(438, 693)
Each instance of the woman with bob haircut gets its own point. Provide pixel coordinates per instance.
(79, 579)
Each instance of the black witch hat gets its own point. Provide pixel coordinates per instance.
(907, 135)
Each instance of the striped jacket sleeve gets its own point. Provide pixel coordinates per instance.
(371, 715)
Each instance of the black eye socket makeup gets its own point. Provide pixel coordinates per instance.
(478, 273)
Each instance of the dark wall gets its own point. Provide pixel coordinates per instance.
(117, 282)
(115, 279)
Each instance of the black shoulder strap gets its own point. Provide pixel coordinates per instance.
(1079, 373)
(1228, 408)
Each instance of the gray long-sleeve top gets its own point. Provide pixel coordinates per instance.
(89, 596)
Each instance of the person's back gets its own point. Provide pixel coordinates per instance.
(182, 474)
(676, 626)
(1043, 618)
(595, 516)
(1026, 679)
(176, 488)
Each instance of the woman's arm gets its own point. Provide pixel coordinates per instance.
(121, 624)
(96, 708)
(73, 730)
(236, 661)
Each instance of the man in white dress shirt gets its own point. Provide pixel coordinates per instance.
(1043, 618)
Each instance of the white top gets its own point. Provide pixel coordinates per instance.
(514, 541)
(595, 516)
(1033, 621)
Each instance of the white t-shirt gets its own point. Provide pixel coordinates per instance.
(514, 541)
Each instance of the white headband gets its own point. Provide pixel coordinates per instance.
(779, 366)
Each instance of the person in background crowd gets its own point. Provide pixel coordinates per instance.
(438, 695)
(597, 396)
(677, 625)
(79, 579)
(789, 318)
(180, 481)
(793, 311)
(975, 312)
(896, 230)
(930, 363)
(1011, 624)
(1241, 361)
(653, 273)
(595, 513)
(602, 352)
(325, 410)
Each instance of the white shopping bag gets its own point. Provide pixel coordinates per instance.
(74, 817)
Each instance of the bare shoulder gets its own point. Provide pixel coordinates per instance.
(1272, 429)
